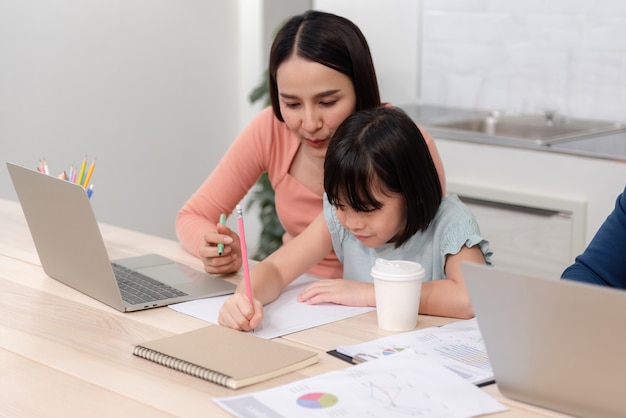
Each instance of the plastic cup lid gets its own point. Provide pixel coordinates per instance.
(397, 269)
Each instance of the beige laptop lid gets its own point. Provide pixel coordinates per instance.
(66, 234)
(71, 249)
(553, 343)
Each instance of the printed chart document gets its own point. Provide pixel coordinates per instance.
(403, 385)
(458, 346)
(283, 316)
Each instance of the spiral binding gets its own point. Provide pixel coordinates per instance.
(182, 365)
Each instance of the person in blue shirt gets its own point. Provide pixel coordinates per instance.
(604, 260)
(382, 199)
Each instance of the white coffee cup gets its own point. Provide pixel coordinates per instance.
(398, 286)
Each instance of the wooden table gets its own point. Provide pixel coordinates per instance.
(65, 354)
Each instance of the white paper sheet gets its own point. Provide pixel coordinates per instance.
(404, 385)
(283, 316)
(458, 346)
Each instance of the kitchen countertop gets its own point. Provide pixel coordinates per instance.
(610, 146)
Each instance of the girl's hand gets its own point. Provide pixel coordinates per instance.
(237, 313)
(230, 260)
(339, 291)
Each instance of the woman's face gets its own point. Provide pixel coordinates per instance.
(314, 100)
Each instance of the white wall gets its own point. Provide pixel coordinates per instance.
(149, 87)
(392, 30)
(527, 56)
(155, 90)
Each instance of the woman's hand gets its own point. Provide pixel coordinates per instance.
(230, 260)
(237, 313)
(339, 291)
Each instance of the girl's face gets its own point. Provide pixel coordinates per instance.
(379, 226)
(314, 100)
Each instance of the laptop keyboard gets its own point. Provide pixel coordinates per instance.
(137, 288)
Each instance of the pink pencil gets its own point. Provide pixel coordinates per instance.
(244, 253)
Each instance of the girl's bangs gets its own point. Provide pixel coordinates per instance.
(354, 187)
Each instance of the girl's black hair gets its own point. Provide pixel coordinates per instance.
(383, 150)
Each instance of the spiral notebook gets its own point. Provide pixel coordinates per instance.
(229, 358)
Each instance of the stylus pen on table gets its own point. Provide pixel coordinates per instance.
(244, 253)
(220, 246)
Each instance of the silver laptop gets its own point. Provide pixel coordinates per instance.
(71, 250)
(553, 343)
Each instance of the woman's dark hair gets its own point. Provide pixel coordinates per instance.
(382, 150)
(329, 40)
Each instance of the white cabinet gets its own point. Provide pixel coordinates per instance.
(527, 239)
(535, 234)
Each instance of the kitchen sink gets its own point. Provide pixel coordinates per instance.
(537, 129)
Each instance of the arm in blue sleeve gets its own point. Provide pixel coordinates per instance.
(604, 260)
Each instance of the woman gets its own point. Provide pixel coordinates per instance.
(320, 72)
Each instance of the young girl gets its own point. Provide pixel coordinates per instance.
(383, 200)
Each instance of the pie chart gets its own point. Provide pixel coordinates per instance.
(388, 351)
(317, 400)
